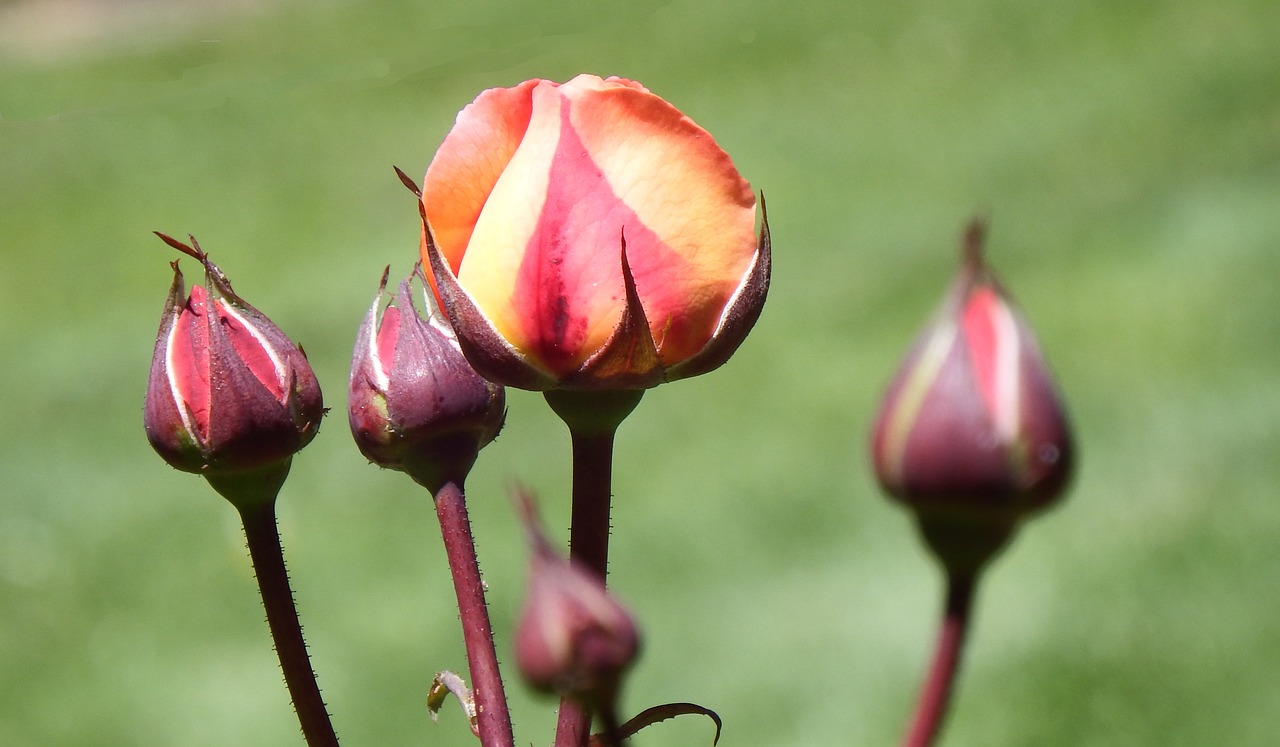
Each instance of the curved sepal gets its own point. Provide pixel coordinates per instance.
(245, 417)
(629, 359)
(170, 427)
(487, 350)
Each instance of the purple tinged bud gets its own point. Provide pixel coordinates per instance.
(229, 392)
(573, 638)
(415, 404)
(972, 434)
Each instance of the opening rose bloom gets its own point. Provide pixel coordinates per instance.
(588, 235)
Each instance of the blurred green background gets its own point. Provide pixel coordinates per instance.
(1128, 154)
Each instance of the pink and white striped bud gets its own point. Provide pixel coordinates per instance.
(229, 392)
(972, 432)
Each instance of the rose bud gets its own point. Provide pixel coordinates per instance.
(573, 638)
(415, 404)
(588, 235)
(972, 434)
(229, 393)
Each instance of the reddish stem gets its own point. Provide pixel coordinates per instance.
(573, 728)
(589, 545)
(592, 499)
(492, 716)
(263, 537)
(593, 418)
(931, 708)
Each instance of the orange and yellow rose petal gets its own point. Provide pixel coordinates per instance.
(545, 273)
(699, 213)
(470, 161)
(531, 196)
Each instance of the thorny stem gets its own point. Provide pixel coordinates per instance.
(263, 537)
(931, 708)
(612, 733)
(593, 419)
(492, 716)
(592, 496)
(588, 544)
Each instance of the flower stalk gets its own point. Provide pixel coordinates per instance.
(612, 733)
(254, 496)
(593, 418)
(418, 407)
(972, 436)
(231, 398)
(492, 715)
(935, 695)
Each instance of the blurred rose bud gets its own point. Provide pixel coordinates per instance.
(228, 392)
(527, 207)
(573, 638)
(972, 434)
(415, 404)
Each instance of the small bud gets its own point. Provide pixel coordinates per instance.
(229, 393)
(573, 637)
(972, 434)
(415, 404)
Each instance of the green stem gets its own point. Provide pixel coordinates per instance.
(593, 419)
(254, 496)
(935, 696)
(492, 716)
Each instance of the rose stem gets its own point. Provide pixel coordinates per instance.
(931, 708)
(492, 716)
(263, 537)
(588, 544)
(609, 720)
(593, 418)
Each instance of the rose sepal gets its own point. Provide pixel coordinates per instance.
(167, 426)
(629, 358)
(484, 347)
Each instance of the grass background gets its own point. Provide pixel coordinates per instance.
(1128, 155)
